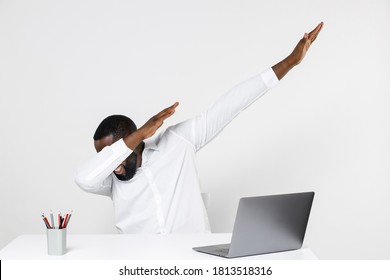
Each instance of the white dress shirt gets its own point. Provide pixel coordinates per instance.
(164, 194)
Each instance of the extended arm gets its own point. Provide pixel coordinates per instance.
(203, 128)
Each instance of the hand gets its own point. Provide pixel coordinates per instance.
(297, 55)
(120, 170)
(304, 44)
(151, 126)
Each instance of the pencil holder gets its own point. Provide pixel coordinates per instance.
(56, 241)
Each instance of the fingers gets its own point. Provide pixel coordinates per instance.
(314, 33)
(316, 30)
(120, 170)
(166, 113)
(151, 126)
(171, 109)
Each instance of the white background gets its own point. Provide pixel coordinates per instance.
(65, 65)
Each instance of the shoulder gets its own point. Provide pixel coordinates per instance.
(175, 134)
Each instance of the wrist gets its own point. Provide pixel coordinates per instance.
(284, 66)
(134, 139)
(291, 61)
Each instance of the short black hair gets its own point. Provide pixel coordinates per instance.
(116, 125)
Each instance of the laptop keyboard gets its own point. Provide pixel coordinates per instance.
(222, 251)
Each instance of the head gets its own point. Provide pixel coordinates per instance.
(110, 130)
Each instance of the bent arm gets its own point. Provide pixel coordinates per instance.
(94, 175)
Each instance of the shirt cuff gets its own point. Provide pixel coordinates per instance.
(119, 148)
(269, 78)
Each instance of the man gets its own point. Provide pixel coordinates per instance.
(154, 186)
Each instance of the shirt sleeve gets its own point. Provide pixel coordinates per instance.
(204, 127)
(95, 175)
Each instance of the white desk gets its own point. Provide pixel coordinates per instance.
(132, 246)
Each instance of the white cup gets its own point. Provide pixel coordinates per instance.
(56, 241)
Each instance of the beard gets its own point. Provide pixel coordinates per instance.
(130, 167)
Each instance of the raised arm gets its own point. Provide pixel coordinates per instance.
(203, 128)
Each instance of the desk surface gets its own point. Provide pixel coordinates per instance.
(132, 246)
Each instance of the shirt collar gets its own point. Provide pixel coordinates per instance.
(151, 145)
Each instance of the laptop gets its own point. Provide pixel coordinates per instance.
(266, 224)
